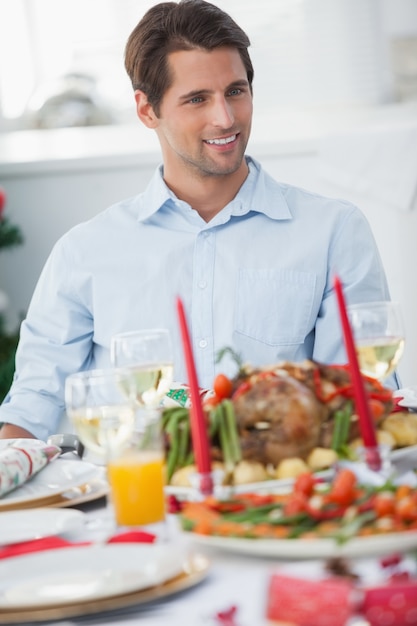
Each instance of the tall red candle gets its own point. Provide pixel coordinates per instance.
(198, 422)
(366, 423)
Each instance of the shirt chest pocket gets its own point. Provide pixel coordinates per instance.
(275, 306)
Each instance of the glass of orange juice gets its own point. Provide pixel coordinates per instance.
(135, 472)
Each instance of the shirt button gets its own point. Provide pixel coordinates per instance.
(202, 284)
(202, 343)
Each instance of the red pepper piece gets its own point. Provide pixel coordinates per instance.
(326, 512)
(227, 617)
(391, 560)
(243, 388)
(225, 506)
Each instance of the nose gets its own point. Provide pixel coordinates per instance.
(222, 113)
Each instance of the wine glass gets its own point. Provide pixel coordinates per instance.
(148, 353)
(101, 406)
(379, 337)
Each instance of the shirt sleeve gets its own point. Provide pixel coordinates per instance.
(55, 340)
(355, 258)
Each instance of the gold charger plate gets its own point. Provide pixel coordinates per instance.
(195, 571)
(88, 492)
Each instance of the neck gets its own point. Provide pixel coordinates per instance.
(207, 195)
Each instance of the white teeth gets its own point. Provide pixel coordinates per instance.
(221, 142)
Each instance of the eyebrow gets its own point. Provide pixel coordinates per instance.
(202, 92)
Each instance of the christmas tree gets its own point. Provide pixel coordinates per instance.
(10, 235)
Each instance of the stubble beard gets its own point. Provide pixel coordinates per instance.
(205, 167)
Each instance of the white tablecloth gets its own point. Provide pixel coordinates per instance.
(233, 580)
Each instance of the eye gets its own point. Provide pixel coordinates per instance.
(196, 100)
(235, 91)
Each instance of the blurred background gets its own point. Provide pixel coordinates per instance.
(335, 96)
(314, 53)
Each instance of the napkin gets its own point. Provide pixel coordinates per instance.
(334, 600)
(394, 605)
(53, 543)
(21, 460)
(310, 603)
(179, 395)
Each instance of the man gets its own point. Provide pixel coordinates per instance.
(252, 259)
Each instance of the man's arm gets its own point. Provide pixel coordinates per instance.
(10, 431)
(55, 340)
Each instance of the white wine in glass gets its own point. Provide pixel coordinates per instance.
(101, 406)
(148, 354)
(379, 337)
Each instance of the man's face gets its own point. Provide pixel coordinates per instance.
(205, 116)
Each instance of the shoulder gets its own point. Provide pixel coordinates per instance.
(305, 203)
(118, 216)
(96, 237)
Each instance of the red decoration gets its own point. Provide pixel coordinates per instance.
(394, 604)
(199, 433)
(310, 602)
(366, 422)
(2, 202)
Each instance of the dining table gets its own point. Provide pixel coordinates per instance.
(232, 583)
(229, 587)
(233, 590)
(228, 581)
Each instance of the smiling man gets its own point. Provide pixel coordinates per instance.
(253, 259)
(203, 126)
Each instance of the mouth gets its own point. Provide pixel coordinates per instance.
(222, 141)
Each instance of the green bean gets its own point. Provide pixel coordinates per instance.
(172, 456)
(214, 421)
(171, 412)
(234, 442)
(190, 458)
(172, 428)
(184, 441)
(341, 429)
(225, 440)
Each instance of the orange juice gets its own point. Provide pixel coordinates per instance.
(137, 488)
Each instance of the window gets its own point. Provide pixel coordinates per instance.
(310, 53)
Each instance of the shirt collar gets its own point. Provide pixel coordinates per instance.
(259, 193)
(262, 194)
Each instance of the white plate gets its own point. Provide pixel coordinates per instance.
(87, 492)
(57, 477)
(313, 548)
(30, 524)
(407, 451)
(80, 574)
(269, 486)
(409, 397)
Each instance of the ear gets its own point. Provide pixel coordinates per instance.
(144, 110)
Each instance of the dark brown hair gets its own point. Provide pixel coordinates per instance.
(170, 26)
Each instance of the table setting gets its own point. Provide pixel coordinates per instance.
(114, 541)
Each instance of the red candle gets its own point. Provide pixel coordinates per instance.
(198, 422)
(366, 423)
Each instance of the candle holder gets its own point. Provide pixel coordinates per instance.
(368, 473)
(372, 456)
(207, 484)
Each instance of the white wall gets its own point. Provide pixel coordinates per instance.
(48, 194)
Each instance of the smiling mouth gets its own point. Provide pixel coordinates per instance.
(221, 142)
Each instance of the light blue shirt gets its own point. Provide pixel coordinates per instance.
(258, 278)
